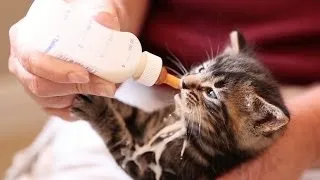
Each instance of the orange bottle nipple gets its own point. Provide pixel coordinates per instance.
(169, 79)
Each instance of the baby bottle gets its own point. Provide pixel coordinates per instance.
(69, 32)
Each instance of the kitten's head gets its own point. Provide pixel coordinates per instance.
(234, 92)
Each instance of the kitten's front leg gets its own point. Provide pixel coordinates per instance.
(122, 127)
(104, 116)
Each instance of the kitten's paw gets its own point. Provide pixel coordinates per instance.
(88, 107)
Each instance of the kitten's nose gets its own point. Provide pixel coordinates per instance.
(190, 82)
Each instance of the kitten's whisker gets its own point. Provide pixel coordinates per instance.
(200, 117)
(207, 53)
(188, 127)
(189, 135)
(199, 120)
(174, 71)
(218, 49)
(200, 127)
(118, 143)
(211, 50)
(192, 125)
(176, 64)
(177, 60)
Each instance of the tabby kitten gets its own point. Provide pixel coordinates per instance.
(228, 111)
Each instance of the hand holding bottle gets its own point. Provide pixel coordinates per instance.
(52, 82)
(57, 31)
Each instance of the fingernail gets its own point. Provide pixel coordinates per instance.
(108, 12)
(78, 77)
(111, 90)
(108, 19)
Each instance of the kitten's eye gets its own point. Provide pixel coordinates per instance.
(210, 93)
(200, 70)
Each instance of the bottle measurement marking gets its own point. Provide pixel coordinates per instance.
(130, 47)
(85, 33)
(52, 43)
(66, 16)
(69, 59)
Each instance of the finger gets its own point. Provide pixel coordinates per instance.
(108, 20)
(62, 113)
(46, 66)
(96, 86)
(56, 102)
(11, 63)
(13, 32)
(109, 15)
(44, 88)
(53, 69)
(12, 37)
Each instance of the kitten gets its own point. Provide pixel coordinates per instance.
(228, 111)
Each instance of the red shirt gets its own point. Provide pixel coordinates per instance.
(285, 33)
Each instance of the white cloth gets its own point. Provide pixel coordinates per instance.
(65, 151)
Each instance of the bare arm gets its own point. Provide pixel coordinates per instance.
(296, 151)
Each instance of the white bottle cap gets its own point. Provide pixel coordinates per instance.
(152, 70)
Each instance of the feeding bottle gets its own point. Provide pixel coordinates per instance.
(69, 32)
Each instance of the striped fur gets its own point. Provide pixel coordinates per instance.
(231, 110)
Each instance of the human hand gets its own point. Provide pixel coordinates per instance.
(296, 151)
(51, 82)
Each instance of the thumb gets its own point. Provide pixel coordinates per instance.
(108, 20)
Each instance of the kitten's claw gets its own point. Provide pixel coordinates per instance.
(87, 107)
(86, 98)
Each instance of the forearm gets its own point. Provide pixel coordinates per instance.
(299, 148)
(131, 14)
(308, 112)
(296, 151)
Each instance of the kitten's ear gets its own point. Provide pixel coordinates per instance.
(268, 117)
(238, 41)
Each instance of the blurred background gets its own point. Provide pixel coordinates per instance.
(20, 118)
